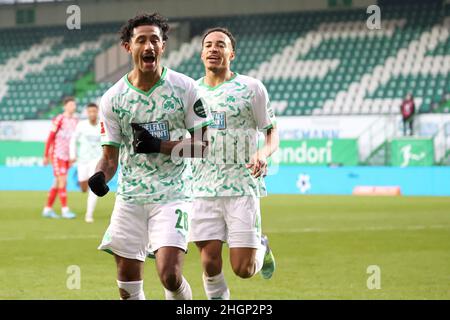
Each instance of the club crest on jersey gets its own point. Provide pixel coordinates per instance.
(170, 105)
(220, 122)
(158, 129)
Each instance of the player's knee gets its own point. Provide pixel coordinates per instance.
(244, 270)
(127, 272)
(61, 182)
(171, 280)
(212, 264)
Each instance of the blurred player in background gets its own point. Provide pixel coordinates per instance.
(57, 153)
(86, 150)
(144, 116)
(227, 206)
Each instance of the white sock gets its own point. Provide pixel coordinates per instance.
(133, 290)
(184, 292)
(47, 209)
(65, 210)
(91, 202)
(259, 258)
(215, 287)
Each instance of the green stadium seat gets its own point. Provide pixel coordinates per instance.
(260, 37)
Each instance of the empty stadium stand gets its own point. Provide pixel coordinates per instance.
(40, 66)
(312, 63)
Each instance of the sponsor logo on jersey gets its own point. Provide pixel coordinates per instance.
(158, 129)
(220, 121)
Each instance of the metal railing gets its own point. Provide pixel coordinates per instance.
(441, 143)
(380, 131)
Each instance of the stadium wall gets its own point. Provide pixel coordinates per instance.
(119, 10)
(19, 141)
(290, 128)
(296, 172)
(410, 181)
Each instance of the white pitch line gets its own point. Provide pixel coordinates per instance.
(302, 230)
(55, 237)
(12, 238)
(380, 228)
(68, 237)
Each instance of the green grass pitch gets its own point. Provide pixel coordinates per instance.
(323, 247)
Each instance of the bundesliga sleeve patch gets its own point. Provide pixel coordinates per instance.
(158, 129)
(102, 128)
(199, 109)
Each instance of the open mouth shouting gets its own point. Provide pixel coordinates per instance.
(148, 59)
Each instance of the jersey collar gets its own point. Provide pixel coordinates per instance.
(149, 92)
(203, 84)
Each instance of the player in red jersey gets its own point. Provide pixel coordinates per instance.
(57, 153)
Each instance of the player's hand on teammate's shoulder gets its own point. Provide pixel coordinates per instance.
(258, 164)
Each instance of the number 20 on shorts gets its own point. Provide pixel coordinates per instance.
(182, 222)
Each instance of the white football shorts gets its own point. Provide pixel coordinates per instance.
(235, 220)
(86, 170)
(136, 230)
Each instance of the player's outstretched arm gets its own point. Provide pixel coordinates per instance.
(194, 147)
(105, 170)
(144, 142)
